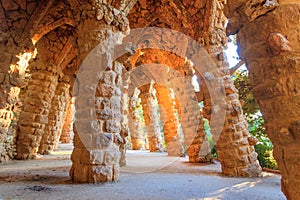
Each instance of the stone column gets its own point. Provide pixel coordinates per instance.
(34, 116)
(235, 147)
(137, 135)
(168, 113)
(124, 122)
(150, 111)
(205, 155)
(96, 148)
(56, 118)
(201, 139)
(15, 52)
(190, 118)
(270, 46)
(99, 163)
(67, 130)
(16, 49)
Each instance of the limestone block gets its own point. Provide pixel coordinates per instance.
(253, 157)
(85, 124)
(109, 78)
(111, 157)
(101, 174)
(105, 114)
(237, 135)
(102, 141)
(43, 119)
(80, 173)
(97, 157)
(87, 141)
(118, 68)
(27, 130)
(87, 113)
(28, 116)
(252, 141)
(105, 90)
(113, 126)
(87, 138)
(115, 103)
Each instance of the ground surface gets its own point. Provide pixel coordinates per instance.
(147, 176)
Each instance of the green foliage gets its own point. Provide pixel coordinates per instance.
(209, 136)
(210, 139)
(242, 83)
(264, 148)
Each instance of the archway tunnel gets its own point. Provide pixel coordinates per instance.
(113, 75)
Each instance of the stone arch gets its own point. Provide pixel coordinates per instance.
(242, 160)
(38, 135)
(272, 58)
(23, 28)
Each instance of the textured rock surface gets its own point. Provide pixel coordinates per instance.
(96, 152)
(270, 47)
(34, 116)
(42, 87)
(56, 116)
(136, 125)
(67, 130)
(212, 35)
(268, 38)
(168, 115)
(150, 112)
(16, 50)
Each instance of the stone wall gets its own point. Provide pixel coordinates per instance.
(235, 147)
(125, 120)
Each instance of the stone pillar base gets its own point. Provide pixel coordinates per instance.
(95, 166)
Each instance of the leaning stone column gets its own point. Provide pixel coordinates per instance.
(137, 136)
(201, 138)
(67, 130)
(56, 118)
(34, 116)
(235, 146)
(190, 118)
(96, 152)
(270, 46)
(149, 103)
(171, 129)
